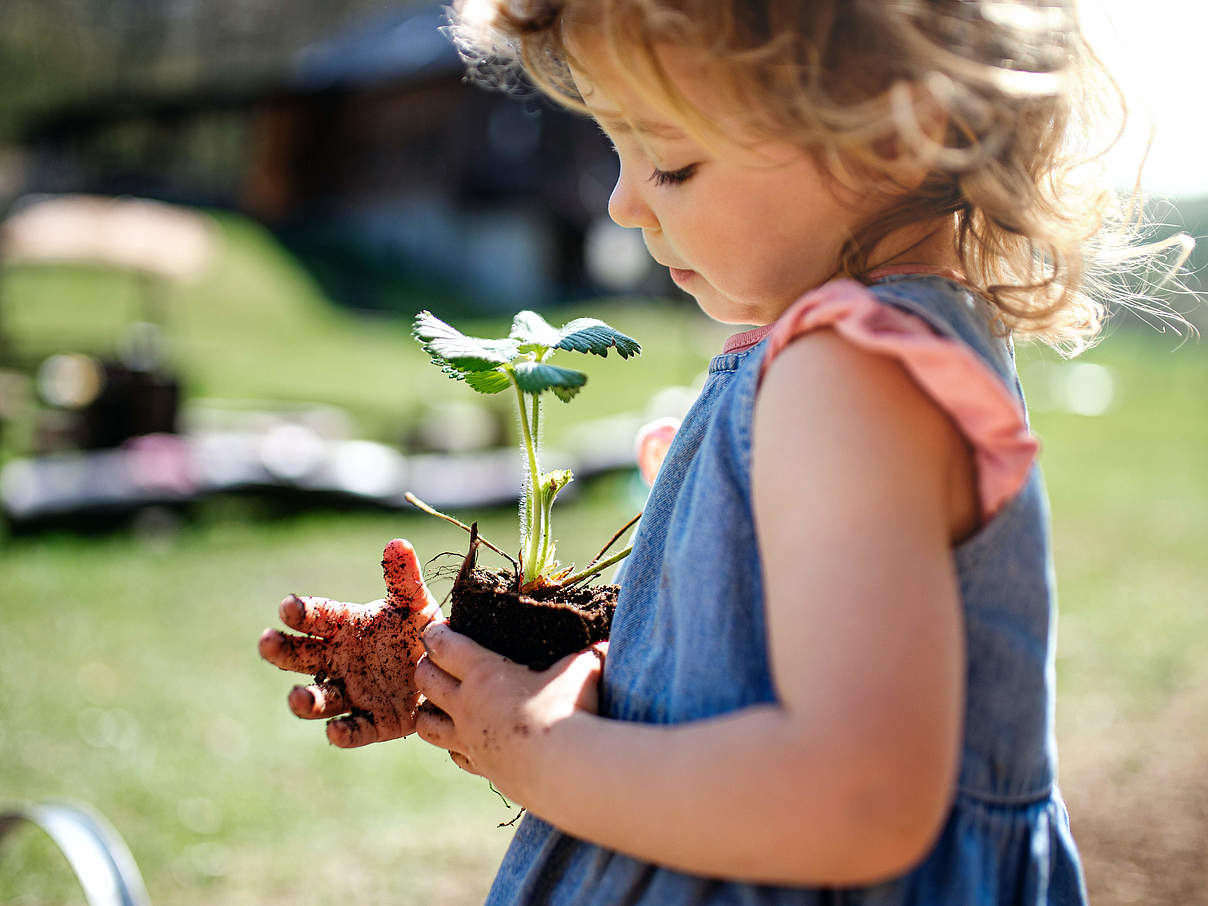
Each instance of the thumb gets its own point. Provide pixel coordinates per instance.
(581, 663)
(582, 671)
(405, 586)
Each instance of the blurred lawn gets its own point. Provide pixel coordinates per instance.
(257, 328)
(128, 669)
(131, 681)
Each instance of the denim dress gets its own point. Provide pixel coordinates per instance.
(689, 642)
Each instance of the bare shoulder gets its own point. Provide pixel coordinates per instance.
(850, 464)
(844, 414)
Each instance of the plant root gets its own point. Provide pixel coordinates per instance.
(519, 815)
(613, 540)
(431, 511)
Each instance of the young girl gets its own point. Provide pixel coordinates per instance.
(830, 676)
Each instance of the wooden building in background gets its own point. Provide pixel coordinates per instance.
(377, 163)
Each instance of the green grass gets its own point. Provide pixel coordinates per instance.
(128, 668)
(131, 681)
(1129, 496)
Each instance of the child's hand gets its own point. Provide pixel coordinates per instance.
(489, 711)
(363, 656)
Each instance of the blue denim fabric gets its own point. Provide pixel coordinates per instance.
(688, 642)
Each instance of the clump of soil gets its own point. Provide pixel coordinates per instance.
(535, 629)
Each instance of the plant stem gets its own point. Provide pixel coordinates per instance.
(427, 508)
(547, 505)
(595, 568)
(532, 528)
(543, 549)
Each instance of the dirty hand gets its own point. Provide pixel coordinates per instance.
(363, 656)
(490, 712)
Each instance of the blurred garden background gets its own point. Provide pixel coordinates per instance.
(213, 400)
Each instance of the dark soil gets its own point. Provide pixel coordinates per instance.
(535, 630)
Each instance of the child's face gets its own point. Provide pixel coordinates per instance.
(745, 231)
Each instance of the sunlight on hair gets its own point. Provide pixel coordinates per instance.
(1003, 101)
(1153, 50)
(1014, 15)
(478, 13)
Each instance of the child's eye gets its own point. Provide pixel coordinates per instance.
(672, 177)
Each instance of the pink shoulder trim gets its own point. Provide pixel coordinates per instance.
(972, 395)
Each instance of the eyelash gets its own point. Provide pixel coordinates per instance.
(659, 177)
(672, 177)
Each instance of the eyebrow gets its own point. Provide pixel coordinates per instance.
(616, 123)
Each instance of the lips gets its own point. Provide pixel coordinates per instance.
(680, 275)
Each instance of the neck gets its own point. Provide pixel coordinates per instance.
(928, 244)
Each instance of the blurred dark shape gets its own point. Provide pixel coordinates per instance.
(388, 161)
(129, 403)
(387, 174)
(104, 438)
(102, 404)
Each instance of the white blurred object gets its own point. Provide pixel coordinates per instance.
(206, 416)
(367, 469)
(96, 852)
(70, 380)
(1081, 388)
(290, 451)
(146, 236)
(1089, 389)
(616, 258)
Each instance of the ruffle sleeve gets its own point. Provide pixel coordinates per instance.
(976, 399)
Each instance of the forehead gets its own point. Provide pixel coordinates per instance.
(629, 95)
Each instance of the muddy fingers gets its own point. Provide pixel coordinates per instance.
(405, 586)
(358, 730)
(299, 654)
(317, 701)
(315, 616)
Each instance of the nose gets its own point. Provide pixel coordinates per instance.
(627, 206)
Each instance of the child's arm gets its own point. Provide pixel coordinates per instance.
(363, 655)
(847, 779)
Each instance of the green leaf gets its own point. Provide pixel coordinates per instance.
(536, 377)
(488, 381)
(553, 482)
(533, 332)
(449, 347)
(594, 336)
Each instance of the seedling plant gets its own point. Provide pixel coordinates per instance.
(520, 363)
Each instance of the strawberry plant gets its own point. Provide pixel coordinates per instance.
(520, 363)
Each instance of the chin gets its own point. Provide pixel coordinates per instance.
(727, 311)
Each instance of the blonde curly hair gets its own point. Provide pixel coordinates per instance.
(998, 101)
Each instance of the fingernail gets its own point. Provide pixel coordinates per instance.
(293, 604)
(302, 698)
(337, 731)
